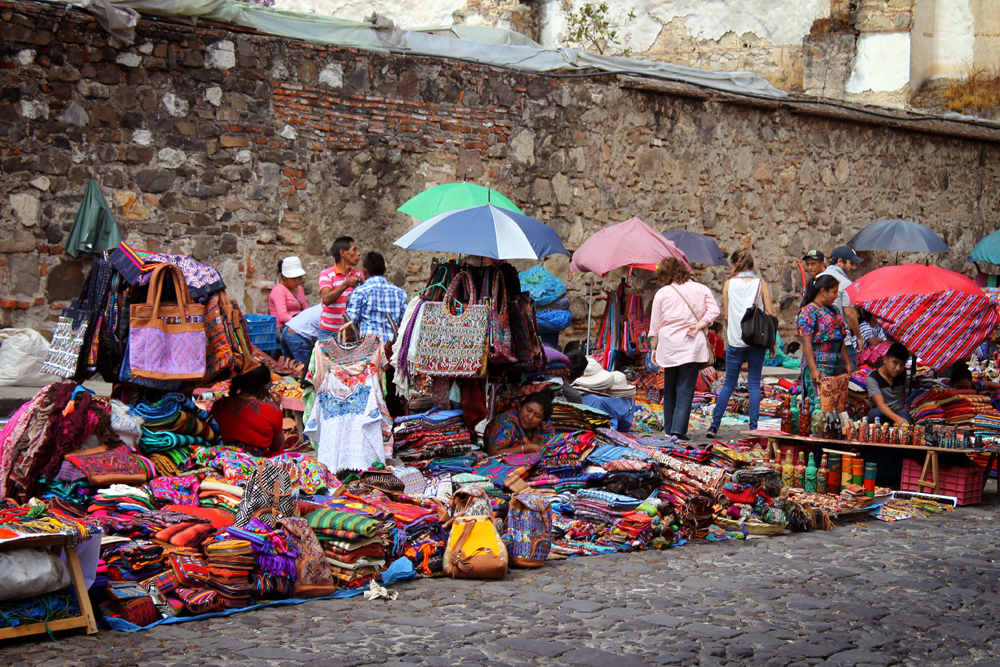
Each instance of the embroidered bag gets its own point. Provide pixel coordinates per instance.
(227, 352)
(133, 602)
(454, 344)
(167, 340)
(528, 533)
(67, 341)
(637, 340)
(501, 344)
(190, 570)
(204, 601)
(475, 550)
(527, 342)
(268, 496)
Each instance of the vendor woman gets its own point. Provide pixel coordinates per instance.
(822, 330)
(524, 431)
(247, 418)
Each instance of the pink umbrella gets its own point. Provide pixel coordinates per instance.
(629, 243)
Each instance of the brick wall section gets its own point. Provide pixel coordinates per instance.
(241, 149)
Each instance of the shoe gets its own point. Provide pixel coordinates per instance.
(711, 433)
(681, 438)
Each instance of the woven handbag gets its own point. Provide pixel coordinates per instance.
(382, 481)
(167, 340)
(227, 353)
(268, 496)
(528, 534)
(133, 603)
(495, 296)
(454, 344)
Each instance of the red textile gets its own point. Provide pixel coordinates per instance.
(248, 421)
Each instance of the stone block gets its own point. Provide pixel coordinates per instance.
(103, 116)
(307, 73)
(234, 142)
(63, 281)
(65, 74)
(131, 207)
(18, 240)
(25, 208)
(155, 180)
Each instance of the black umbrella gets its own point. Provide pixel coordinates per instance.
(898, 236)
(700, 249)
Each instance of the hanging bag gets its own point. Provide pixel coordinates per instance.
(454, 344)
(228, 354)
(757, 328)
(495, 296)
(167, 340)
(711, 352)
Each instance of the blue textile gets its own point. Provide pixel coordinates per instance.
(400, 571)
(543, 287)
(295, 346)
(620, 409)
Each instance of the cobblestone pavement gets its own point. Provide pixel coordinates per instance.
(918, 592)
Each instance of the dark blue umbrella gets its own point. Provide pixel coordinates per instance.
(987, 250)
(898, 236)
(700, 249)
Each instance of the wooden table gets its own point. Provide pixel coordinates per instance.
(86, 618)
(930, 453)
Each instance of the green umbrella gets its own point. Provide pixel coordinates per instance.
(451, 197)
(95, 228)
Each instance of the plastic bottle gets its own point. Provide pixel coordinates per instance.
(822, 475)
(811, 471)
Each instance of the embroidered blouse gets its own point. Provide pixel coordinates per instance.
(824, 324)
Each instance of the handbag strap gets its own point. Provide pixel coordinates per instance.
(688, 303)
(466, 279)
(155, 295)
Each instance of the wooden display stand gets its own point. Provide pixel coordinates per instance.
(930, 453)
(86, 618)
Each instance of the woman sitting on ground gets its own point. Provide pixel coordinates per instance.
(524, 431)
(247, 418)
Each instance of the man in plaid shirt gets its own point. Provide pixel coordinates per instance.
(376, 306)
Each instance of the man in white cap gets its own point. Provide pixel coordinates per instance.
(846, 262)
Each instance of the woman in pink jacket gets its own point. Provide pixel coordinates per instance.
(682, 311)
(287, 298)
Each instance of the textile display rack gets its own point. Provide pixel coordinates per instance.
(85, 619)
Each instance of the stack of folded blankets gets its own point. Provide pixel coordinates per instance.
(172, 427)
(431, 434)
(134, 560)
(354, 540)
(955, 407)
(216, 492)
(603, 506)
(274, 574)
(557, 363)
(561, 463)
(573, 417)
(230, 563)
(120, 502)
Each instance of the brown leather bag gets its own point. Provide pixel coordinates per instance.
(475, 550)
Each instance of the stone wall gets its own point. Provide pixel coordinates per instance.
(241, 149)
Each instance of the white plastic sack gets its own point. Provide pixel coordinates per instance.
(25, 573)
(22, 353)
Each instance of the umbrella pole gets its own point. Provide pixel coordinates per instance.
(590, 312)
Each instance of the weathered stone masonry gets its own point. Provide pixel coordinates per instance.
(240, 149)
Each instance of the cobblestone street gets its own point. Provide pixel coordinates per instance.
(919, 592)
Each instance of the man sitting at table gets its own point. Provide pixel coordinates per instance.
(887, 388)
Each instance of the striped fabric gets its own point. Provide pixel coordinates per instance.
(940, 328)
(324, 520)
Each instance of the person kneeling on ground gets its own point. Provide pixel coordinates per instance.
(887, 388)
(247, 418)
(524, 431)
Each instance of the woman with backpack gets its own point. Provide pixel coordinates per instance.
(742, 291)
(682, 311)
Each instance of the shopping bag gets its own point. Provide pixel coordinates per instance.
(167, 340)
(454, 344)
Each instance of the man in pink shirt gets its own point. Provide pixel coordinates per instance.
(336, 284)
(681, 312)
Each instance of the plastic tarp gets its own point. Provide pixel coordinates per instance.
(486, 46)
(400, 571)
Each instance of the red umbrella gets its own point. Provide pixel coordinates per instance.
(908, 279)
(629, 243)
(940, 315)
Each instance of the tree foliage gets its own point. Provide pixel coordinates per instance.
(591, 27)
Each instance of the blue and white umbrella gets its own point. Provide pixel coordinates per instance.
(486, 231)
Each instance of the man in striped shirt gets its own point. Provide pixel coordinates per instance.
(336, 284)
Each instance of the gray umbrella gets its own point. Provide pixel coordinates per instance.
(898, 236)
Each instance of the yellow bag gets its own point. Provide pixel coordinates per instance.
(475, 550)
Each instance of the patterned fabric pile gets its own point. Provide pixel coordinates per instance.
(438, 433)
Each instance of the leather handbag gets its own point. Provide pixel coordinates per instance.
(757, 328)
(711, 351)
(167, 340)
(475, 550)
(454, 344)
